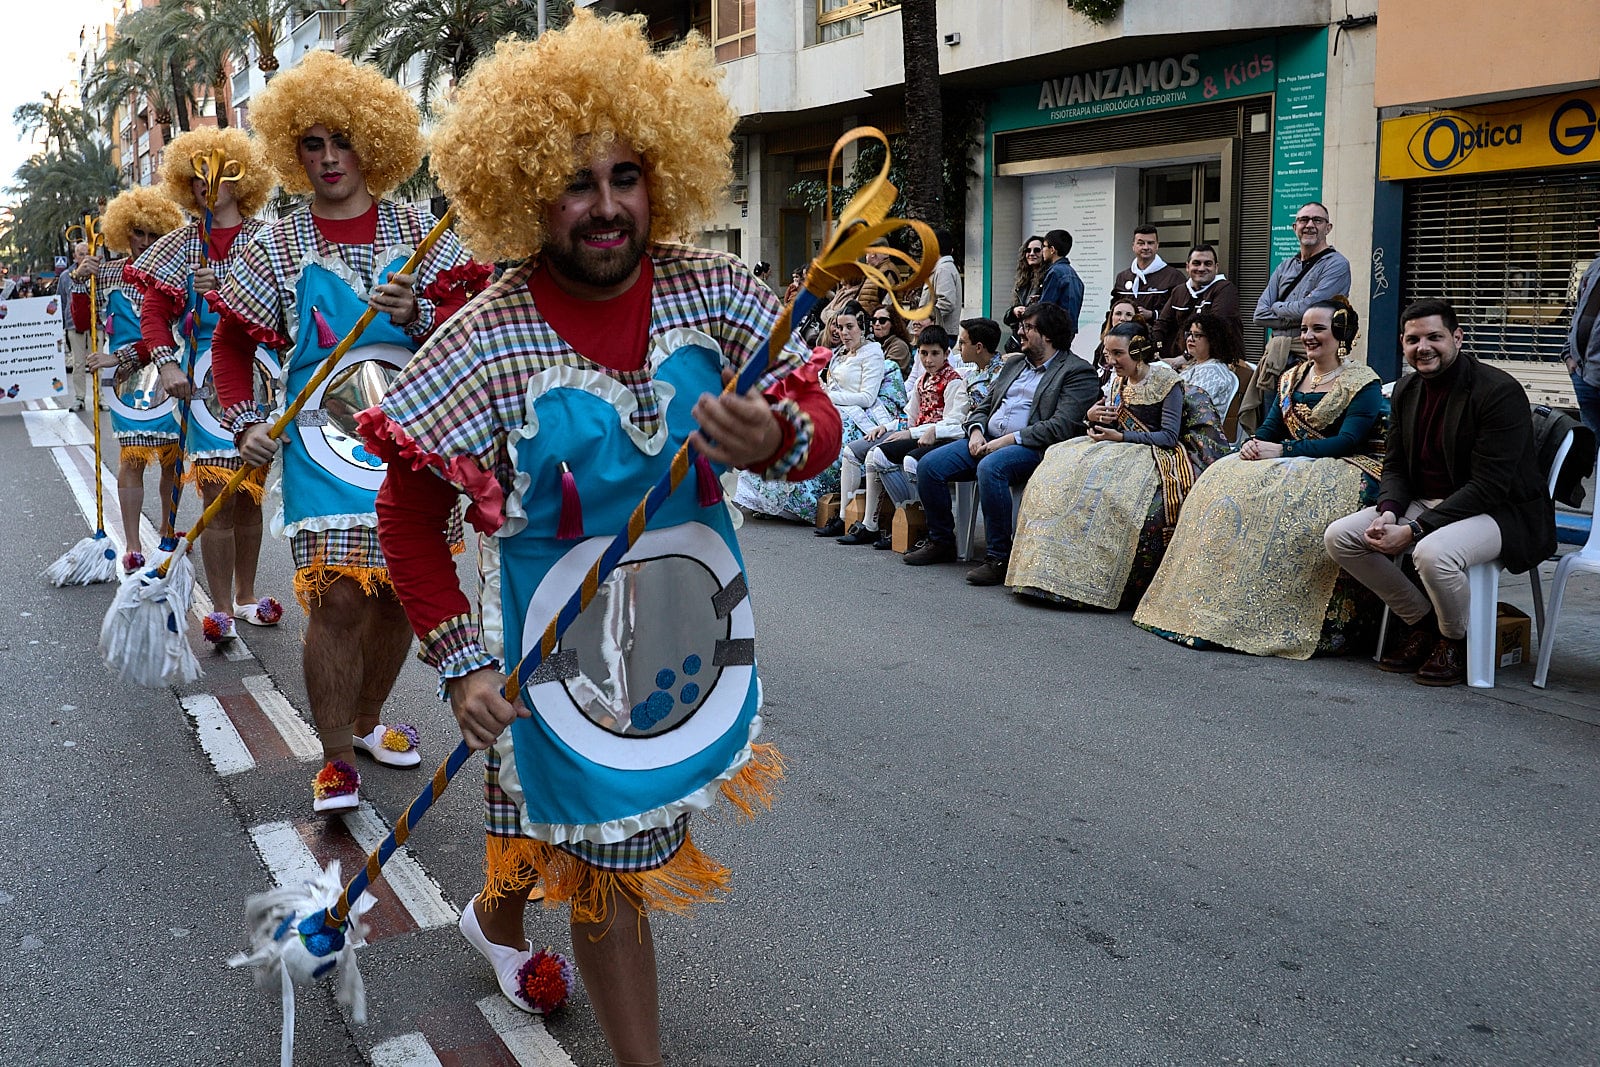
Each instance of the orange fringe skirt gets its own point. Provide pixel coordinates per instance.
(211, 473)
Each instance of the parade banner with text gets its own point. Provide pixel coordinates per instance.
(1551, 131)
(33, 349)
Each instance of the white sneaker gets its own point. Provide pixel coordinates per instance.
(505, 960)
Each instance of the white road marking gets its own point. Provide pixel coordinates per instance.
(418, 893)
(288, 859)
(407, 1050)
(300, 737)
(524, 1035)
(47, 429)
(218, 736)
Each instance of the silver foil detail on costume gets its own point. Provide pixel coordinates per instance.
(728, 597)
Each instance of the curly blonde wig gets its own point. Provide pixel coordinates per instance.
(353, 99)
(144, 206)
(177, 168)
(528, 117)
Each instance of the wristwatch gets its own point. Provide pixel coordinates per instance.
(1416, 530)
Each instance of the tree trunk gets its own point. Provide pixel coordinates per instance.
(180, 97)
(219, 93)
(923, 166)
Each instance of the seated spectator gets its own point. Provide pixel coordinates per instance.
(1026, 288)
(1461, 485)
(1097, 514)
(1212, 362)
(1246, 569)
(1121, 311)
(867, 389)
(938, 409)
(979, 351)
(1204, 291)
(889, 330)
(1035, 401)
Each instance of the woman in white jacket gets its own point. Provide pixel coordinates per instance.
(938, 409)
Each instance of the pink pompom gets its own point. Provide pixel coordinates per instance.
(217, 627)
(268, 610)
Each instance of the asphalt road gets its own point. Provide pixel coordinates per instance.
(1010, 834)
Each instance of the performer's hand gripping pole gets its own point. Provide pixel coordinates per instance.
(861, 222)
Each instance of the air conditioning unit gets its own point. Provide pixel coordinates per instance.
(739, 192)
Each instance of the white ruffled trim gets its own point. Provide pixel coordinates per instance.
(215, 453)
(586, 379)
(491, 619)
(321, 523)
(609, 833)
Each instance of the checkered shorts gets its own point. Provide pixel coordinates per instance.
(642, 852)
(356, 549)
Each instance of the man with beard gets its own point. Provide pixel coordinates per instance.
(346, 135)
(553, 402)
(1204, 290)
(1461, 485)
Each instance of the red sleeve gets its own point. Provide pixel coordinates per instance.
(413, 515)
(233, 353)
(827, 431)
(156, 317)
(80, 312)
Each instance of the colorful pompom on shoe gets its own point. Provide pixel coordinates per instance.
(545, 980)
(336, 787)
(132, 562)
(393, 746)
(264, 612)
(217, 627)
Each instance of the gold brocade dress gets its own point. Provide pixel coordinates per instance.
(1247, 569)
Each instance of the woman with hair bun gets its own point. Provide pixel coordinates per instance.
(1247, 569)
(1099, 510)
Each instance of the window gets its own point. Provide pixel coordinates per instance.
(842, 18)
(733, 28)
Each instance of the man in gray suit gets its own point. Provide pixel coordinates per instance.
(1582, 350)
(1038, 399)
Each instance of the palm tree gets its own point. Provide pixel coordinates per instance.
(449, 35)
(61, 124)
(142, 64)
(924, 138)
(53, 191)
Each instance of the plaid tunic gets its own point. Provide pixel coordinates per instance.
(465, 393)
(260, 292)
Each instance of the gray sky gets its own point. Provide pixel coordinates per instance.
(37, 48)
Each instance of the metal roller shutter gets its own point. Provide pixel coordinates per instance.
(1506, 252)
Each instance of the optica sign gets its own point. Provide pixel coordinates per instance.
(1552, 131)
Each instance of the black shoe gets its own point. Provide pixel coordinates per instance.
(834, 528)
(929, 552)
(884, 542)
(858, 535)
(989, 572)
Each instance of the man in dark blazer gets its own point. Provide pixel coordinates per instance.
(1461, 483)
(1038, 398)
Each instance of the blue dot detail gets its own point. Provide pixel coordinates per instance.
(691, 665)
(689, 694)
(361, 455)
(652, 710)
(665, 678)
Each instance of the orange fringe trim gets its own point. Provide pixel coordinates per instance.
(161, 455)
(690, 877)
(203, 474)
(311, 582)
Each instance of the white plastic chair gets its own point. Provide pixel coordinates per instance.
(1483, 589)
(965, 499)
(1586, 559)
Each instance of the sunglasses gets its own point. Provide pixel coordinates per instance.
(876, 320)
(1034, 251)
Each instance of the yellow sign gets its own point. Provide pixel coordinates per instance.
(1551, 131)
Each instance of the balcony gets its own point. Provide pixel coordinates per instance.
(320, 29)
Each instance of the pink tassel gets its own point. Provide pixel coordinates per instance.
(570, 526)
(189, 324)
(111, 324)
(326, 338)
(707, 486)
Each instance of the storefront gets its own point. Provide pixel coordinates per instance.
(1493, 208)
(1219, 146)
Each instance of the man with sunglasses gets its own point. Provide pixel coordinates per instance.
(1315, 273)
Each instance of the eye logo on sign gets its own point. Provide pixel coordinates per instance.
(1447, 141)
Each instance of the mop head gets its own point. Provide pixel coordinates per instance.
(291, 943)
(94, 559)
(145, 638)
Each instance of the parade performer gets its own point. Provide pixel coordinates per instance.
(174, 274)
(347, 136)
(552, 402)
(143, 415)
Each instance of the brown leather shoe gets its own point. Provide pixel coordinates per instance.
(989, 572)
(1412, 651)
(1447, 665)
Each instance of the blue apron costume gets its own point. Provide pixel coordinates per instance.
(142, 414)
(206, 438)
(330, 480)
(651, 701)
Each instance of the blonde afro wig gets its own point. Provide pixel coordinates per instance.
(527, 118)
(178, 171)
(325, 89)
(144, 207)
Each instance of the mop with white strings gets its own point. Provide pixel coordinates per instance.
(303, 933)
(94, 559)
(143, 639)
